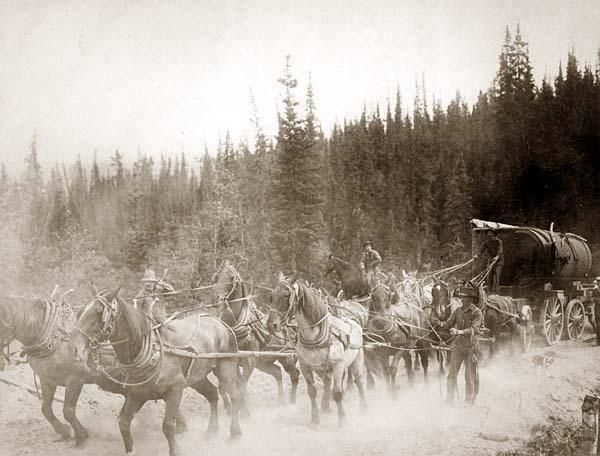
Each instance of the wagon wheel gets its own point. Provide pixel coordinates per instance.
(552, 319)
(575, 319)
(527, 328)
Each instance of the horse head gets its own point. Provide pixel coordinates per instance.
(227, 281)
(380, 298)
(284, 299)
(96, 324)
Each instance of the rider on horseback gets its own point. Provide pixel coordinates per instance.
(147, 298)
(369, 263)
(464, 324)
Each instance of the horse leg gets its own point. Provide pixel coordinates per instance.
(227, 372)
(269, 367)
(512, 327)
(311, 389)
(493, 332)
(393, 371)
(180, 423)
(326, 392)
(338, 395)
(210, 392)
(226, 400)
(349, 380)
(290, 367)
(248, 365)
(416, 365)
(423, 355)
(132, 405)
(172, 401)
(406, 355)
(359, 372)
(48, 391)
(72, 391)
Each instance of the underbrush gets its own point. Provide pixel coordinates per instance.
(557, 438)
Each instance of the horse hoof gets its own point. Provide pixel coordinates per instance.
(342, 423)
(80, 442)
(293, 400)
(363, 409)
(210, 434)
(235, 435)
(180, 429)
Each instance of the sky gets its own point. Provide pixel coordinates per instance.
(162, 77)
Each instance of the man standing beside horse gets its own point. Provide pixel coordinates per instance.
(464, 325)
(370, 262)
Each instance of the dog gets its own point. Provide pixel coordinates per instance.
(542, 363)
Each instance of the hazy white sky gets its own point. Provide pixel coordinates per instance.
(162, 76)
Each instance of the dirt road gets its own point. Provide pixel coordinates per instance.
(513, 398)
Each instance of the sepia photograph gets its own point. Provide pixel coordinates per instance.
(259, 227)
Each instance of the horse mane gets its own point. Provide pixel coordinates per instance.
(26, 315)
(137, 322)
(308, 301)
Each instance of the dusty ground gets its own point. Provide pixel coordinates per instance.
(512, 400)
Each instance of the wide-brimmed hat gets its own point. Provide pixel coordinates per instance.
(466, 291)
(149, 276)
(368, 243)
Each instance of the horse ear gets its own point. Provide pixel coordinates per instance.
(226, 264)
(331, 256)
(296, 287)
(280, 276)
(93, 288)
(404, 275)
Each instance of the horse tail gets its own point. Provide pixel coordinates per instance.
(372, 363)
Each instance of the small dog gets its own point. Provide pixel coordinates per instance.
(542, 363)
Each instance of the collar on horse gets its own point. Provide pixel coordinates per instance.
(295, 297)
(147, 362)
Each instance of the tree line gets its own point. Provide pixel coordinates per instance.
(409, 181)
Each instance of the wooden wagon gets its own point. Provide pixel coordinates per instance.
(547, 274)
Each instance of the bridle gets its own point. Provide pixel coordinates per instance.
(110, 314)
(237, 280)
(287, 314)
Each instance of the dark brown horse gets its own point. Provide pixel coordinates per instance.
(160, 362)
(354, 281)
(499, 315)
(249, 325)
(43, 327)
(326, 345)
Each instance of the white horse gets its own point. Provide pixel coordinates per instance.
(326, 345)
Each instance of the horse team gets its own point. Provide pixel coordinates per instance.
(121, 349)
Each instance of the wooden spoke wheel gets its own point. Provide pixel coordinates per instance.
(527, 328)
(575, 319)
(552, 320)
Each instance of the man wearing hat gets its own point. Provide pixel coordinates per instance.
(494, 248)
(369, 262)
(147, 300)
(464, 325)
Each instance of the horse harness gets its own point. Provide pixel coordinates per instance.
(250, 320)
(327, 332)
(51, 333)
(148, 362)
